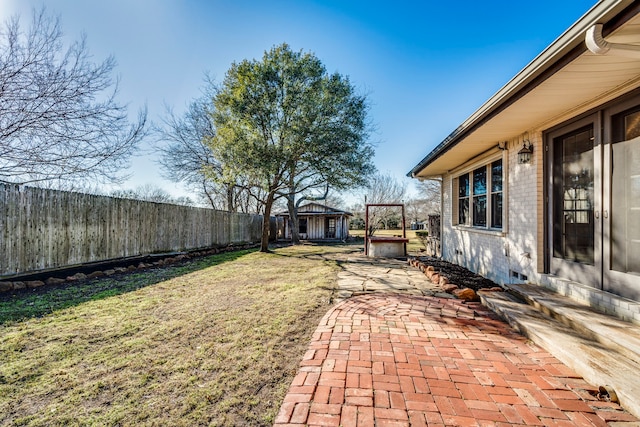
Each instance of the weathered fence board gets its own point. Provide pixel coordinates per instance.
(42, 229)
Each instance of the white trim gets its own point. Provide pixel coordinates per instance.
(468, 168)
(482, 159)
(573, 36)
(598, 45)
(480, 230)
(505, 191)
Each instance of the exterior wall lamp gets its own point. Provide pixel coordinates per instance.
(525, 153)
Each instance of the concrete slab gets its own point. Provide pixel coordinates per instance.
(621, 336)
(366, 274)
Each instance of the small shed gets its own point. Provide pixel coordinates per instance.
(417, 225)
(318, 222)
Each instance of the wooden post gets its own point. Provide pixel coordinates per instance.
(404, 231)
(366, 229)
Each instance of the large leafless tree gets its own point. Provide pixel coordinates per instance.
(427, 200)
(59, 117)
(383, 189)
(151, 193)
(186, 158)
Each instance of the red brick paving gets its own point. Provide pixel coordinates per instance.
(401, 360)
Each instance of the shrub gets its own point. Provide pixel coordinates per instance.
(422, 235)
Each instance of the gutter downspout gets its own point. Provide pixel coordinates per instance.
(599, 46)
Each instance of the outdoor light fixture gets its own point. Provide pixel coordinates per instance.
(524, 155)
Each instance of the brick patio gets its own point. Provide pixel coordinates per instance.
(400, 360)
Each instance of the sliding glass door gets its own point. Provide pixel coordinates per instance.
(621, 217)
(594, 200)
(574, 197)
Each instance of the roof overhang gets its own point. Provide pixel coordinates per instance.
(301, 214)
(562, 82)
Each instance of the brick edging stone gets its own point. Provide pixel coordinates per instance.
(7, 286)
(440, 279)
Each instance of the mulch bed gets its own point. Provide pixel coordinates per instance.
(457, 274)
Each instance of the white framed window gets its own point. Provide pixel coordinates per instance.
(479, 197)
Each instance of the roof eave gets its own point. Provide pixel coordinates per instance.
(565, 48)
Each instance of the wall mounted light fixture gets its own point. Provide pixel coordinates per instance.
(525, 153)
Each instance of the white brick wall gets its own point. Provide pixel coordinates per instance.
(493, 254)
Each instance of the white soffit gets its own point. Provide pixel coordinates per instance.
(583, 84)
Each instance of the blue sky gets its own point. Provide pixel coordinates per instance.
(425, 65)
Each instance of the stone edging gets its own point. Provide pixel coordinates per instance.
(7, 286)
(438, 278)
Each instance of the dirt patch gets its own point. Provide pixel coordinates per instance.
(458, 275)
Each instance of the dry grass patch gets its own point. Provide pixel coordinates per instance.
(216, 343)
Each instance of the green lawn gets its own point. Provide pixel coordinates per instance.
(214, 342)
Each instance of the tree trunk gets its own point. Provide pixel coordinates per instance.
(293, 221)
(230, 201)
(266, 222)
(207, 194)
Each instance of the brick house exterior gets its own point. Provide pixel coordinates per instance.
(566, 219)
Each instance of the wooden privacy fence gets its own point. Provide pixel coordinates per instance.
(43, 229)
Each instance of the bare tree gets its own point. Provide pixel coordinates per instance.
(186, 158)
(151, 193)
(334, 200)
(357, 221)
(383, 189)
(415, 211)
(428, 198)
(59, 118)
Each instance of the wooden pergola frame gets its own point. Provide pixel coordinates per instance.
(366, 223)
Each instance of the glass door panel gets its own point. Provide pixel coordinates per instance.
(573, 175)
(625, 193)
(330, 228)
(575, 242)
(621, 190)
(594, 203)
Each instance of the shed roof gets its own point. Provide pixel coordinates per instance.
(563, 81)
(316, 209)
